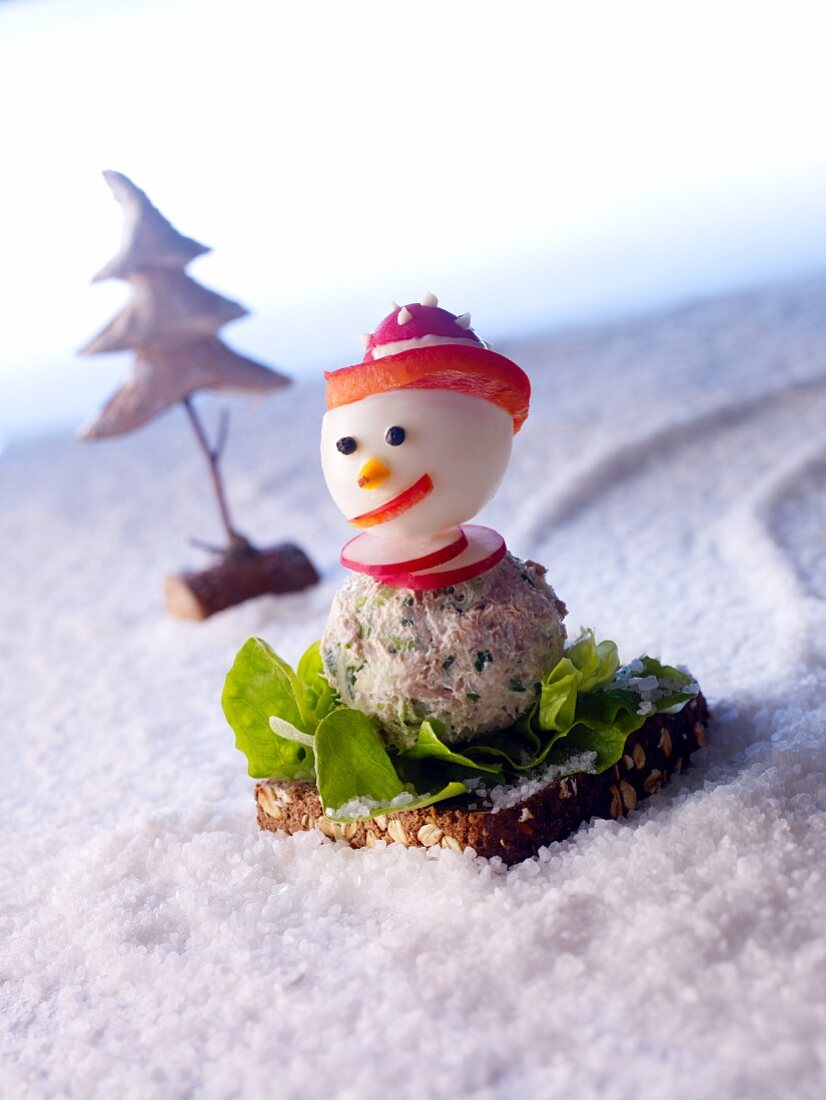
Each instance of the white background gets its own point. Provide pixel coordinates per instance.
(540, 165)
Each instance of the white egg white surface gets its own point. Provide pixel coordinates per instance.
(462, 443)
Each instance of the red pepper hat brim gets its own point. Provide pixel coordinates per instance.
(460, 368)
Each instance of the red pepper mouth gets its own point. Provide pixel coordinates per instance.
(400, 504)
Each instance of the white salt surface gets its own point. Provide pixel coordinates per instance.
(501, 798)
(156, 945)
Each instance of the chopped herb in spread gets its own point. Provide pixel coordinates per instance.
(351, 672)
(483, 657)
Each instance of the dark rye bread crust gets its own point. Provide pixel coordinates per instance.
(660, 749)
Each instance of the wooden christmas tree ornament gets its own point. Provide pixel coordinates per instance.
(171, 323)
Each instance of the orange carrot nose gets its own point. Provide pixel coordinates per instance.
(372, 474)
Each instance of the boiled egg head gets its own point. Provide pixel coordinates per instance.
(414, 462)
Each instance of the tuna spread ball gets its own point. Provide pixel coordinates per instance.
(470, 655)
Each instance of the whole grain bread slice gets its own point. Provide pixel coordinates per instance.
(657, 751)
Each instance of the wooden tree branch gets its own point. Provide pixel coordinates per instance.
(208, 547)
(241, 574)
(223, 433)
(243, 571)
(213, 457)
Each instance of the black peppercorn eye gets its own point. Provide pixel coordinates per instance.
(346, 445)
(395, 436)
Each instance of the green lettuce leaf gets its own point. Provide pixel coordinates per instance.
(355, 774)
(607, 709)
(517, 754)
(586, 667)
(351, 760)
(557, 697)
(290, 732)
(429, 746)
(317, 692)
(454, 789)
(374, 808)
(586, 704)
(259, 685)
(596, 663)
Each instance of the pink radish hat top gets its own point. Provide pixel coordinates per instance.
(422, 346)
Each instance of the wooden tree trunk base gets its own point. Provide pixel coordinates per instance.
(655, 753)
(241, 574)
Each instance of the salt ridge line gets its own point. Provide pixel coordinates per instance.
(794, 493)
(748, 543)
(608, 469)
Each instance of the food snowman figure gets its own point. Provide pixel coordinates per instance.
(439, 621)
(442, 690)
